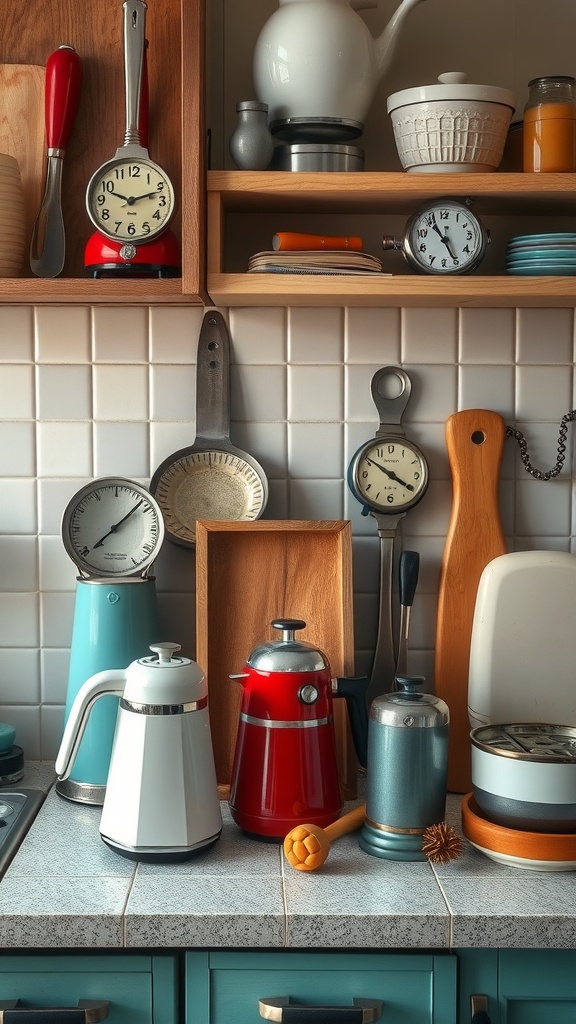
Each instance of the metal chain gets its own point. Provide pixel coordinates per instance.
(562, 433)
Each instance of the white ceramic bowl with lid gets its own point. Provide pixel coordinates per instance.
(452, 125)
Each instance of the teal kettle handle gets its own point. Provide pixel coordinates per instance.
(354, 690)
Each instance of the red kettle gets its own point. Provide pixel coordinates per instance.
(285, 769)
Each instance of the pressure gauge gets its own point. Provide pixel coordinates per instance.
(112, 527)
(388, 474)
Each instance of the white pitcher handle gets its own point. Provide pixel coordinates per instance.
(99, 685)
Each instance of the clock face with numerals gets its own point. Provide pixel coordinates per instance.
(112, 527)
(445, 237)
(388, 474)
(130, 200)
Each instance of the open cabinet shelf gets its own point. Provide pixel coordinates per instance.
(537, 201)
(31, 31)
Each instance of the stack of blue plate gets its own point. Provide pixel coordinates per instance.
(551, 255)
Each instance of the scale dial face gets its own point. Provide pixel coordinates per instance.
(130, 200)
(388, 474)
(445, 237)
(211, 484)
(112, 527)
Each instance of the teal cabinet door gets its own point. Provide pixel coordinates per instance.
(537, 986)
(139, 989)
(225, 988)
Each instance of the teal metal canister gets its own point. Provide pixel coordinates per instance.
(407, 767)
(115, 621)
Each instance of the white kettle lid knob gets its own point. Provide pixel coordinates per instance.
(165, 651)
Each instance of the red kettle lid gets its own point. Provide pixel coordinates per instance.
(287, 654)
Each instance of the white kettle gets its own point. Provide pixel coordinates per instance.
(161, 802)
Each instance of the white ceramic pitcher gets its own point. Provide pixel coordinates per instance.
(316, 59)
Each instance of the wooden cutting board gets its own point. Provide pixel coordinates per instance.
(475, 441)
(250, 573)
(22, 131)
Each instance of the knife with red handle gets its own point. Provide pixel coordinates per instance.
(62, 94)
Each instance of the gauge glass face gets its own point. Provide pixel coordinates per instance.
(207, 485)
(445, 239)
(112, 527)
(389, 474)
(130, 200)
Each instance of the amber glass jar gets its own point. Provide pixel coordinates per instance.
(550, 125)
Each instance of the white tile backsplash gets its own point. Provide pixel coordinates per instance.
(17, 392)
(113, 392)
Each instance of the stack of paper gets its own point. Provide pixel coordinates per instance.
(341, 261)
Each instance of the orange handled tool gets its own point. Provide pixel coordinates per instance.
(306, 847)
(284, 241)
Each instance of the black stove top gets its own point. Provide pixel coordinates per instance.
(18, 809)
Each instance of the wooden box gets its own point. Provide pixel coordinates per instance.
(248, 574)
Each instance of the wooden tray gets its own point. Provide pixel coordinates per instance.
(250, 573)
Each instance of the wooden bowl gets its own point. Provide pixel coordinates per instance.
(541, 851)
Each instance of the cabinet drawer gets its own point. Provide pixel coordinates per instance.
(536, 986)
(222, 988)
(139, 989)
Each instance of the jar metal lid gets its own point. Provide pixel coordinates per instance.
(527, 741)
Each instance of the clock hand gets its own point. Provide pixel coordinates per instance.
(391, 474)
(146, 195)
(444, 239)
(116, 525)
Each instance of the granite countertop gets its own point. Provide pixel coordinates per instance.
(66, 889)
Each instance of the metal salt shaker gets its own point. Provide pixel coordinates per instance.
(251, 144)
(407, 770)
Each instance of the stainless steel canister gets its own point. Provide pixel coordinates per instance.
(406, 770)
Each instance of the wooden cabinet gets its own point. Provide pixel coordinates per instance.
(137, 989)
(246, 208)
(31, 30)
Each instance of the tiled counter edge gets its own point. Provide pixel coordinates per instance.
(66, 889)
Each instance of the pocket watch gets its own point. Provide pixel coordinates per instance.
(112, 527)
(443, 237)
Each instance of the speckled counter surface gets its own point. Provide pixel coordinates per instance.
(66, 889)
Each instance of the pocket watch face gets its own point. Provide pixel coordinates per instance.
(130, 200)
(388, 474)
(112, 527)
(445, 238)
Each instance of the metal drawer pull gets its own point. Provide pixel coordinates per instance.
(279, 1008)
(479, 1010)
(88, 1011)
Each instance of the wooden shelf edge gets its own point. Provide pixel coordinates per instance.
(244, 189)
(476, 291)
(86, 291)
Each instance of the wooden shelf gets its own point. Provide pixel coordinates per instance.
(31, 31)
(241, 193)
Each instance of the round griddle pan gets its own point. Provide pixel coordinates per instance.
(211, 478)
